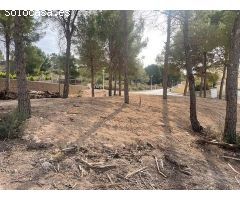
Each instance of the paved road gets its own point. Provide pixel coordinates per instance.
(155, 92)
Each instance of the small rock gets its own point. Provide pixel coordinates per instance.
(36, 139)
(47, 166)
(14, 171)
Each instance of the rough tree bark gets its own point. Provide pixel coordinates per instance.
(165, 70)
(7, 45)
(110, 81)
(201, 84)
(193, 110)
(68, 25)
(24, 105)
(124, 14)
(120, 67)
(232, 83)
(119, 82)
(92, 80)
(205, 74)
(222, 81)
(186, 87)
(66, 69)
(115, 83)
(202, 73)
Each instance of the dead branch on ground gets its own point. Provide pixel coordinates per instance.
(134, 172)
(161, 173)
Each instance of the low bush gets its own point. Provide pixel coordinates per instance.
(47, 78)
(2, 74)
(33, 78)
(197, 87)
(10, 125)
(13, 76)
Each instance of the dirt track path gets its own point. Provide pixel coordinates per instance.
(128, 136)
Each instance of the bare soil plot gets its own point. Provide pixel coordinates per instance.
(100, 143)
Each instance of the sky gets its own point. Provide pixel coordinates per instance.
(154, 32)
(156, 38)
(154, 47)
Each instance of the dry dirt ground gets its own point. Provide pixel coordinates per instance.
(100, 143)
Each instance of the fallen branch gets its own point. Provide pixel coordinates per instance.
(185, 172)
(81, 170)
(161, 173)
(220, 144)
(110, 179)
(70, 186)
(233, 169)
(121, 187)
(174, 162)
(135, 172)
(58, 167)
(72, 149)
(233, 158)
(181, 167)
(162, 164)
(96, 166)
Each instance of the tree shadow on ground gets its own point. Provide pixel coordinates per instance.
(176, 181)
(99, 124)
(218, 177)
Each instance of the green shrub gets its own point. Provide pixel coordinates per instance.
(13, 76)
(10, 125)
(30, 78)
(2, 74)
(47, 78)
(33, 78)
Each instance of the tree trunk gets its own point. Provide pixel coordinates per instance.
(232, 84)
(110, 81)
(222, 81)
(66, 69)
(92, 80)
(185, 88)
(7, 40)
(193, 110)
(201, 85)
(119, 82)
(205, 74)
(125, 53)
(202, 78)
(115, 84)
(165, 70)
(24, 105)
